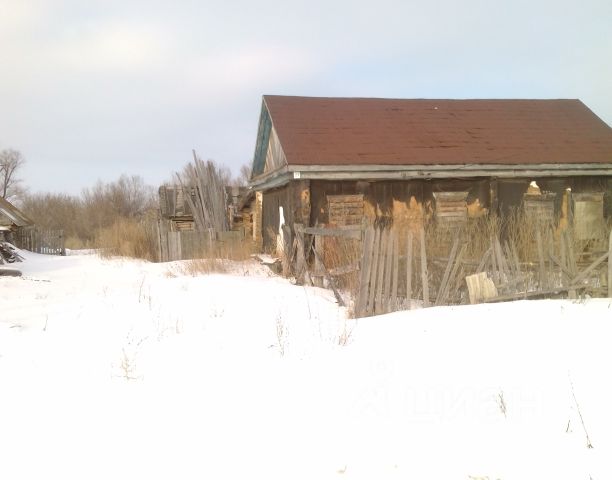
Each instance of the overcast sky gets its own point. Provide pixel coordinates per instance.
(91, 89)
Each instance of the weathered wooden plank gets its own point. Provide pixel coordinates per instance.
(364, 276)
(501, 261)
(424, 273)
(346, 210)
(480, 287)
(453, 276)
(319, 258)
(447, 270)
(374, 272)
(452, 214)
(494, 266)
(571, 257)
(378, 306)
(583, 275)
(345, 198)
(483, 261)
(388, 267)
(335, 232)
(534, 294)
(319, 249)
(393, 301)
(409, 270)
(542, 268)
(300, 260)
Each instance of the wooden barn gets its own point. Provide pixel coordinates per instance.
(348, 161)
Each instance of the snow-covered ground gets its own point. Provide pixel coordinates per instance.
(125, 369)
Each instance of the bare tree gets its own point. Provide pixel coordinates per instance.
(244, 176)
(10, 163)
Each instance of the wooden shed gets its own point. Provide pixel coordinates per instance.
(340, 161)
(12, 221)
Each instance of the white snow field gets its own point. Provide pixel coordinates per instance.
(118, 369)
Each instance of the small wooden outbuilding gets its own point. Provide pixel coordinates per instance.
(12, 221)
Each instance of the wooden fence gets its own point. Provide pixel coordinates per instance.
(187, 245)
(397, 269)
(394, 273)
(49, 242)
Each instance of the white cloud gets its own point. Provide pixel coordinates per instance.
(120, 46)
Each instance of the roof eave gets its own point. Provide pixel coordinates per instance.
(283, 175)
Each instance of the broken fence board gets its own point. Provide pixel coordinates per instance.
(369, 307)
(366, 267)
(409, 270)
(381, 270)
(424, 273)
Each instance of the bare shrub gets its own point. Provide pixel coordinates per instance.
(11, 161)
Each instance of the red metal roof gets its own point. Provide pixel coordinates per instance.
(346, 131)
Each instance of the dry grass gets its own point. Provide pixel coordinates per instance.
(218, 259)
(340, 253)
(127, 238)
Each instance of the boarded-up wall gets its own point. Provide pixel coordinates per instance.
(588, 215)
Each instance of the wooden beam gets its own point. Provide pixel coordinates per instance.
(335, 232)
(583, 275)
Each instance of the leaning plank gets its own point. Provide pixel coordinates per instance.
(328, 277)
(541, 260)
(388, 266)
(453, 276)
(381, 270)
(494, 266)
(501, 261)
(560, 264)
(483, 262)
(534, 294)
(424, 274)
(409, 271)
(449, 266)
(369, 307)
(318, 266)
(364, 274)
(584, 274)
(393, 301)
(300, 267)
